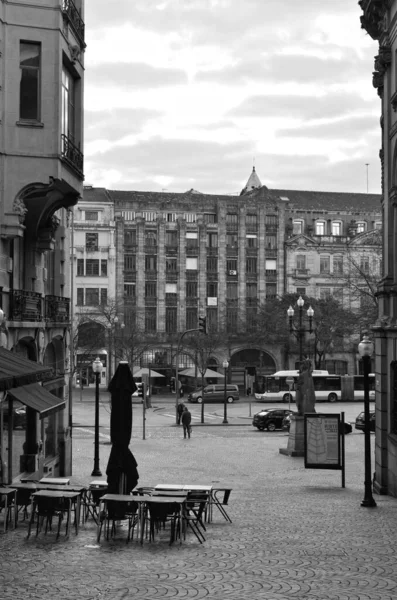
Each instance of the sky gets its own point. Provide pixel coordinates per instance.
(183, 94)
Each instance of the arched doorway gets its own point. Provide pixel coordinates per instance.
(249, 368)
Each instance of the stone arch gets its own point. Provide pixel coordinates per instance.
(27, 348)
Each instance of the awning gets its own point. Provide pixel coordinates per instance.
(16, 370)
(38, 398)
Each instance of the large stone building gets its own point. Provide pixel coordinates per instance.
(41, 128)
(379, 19)
(179, 256)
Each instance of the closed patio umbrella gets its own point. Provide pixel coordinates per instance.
(121, 471)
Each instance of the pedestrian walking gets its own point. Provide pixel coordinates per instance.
(181, 406)
(186, 422)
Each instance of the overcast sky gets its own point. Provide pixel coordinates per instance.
(183, 94)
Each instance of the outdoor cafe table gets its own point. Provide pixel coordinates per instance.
(9, 496)
(55, 480)
(142, 501)
(36, 486)
(189, 488)
(57, 494)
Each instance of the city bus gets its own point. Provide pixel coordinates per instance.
(327, 387)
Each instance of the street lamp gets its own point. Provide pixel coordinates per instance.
(97, 368)
(365, 350)
(300, 330)
(225, 366)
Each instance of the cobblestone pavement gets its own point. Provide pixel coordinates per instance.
(296, 534)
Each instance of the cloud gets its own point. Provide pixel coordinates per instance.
(113, 125)
(353, 127)
(134, 75)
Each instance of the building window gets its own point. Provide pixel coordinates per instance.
(171, 289)
(171, 238)
(80, 266)
(150, 289)
(191, 289)
(92, 267)
(130, 262)
(336, 228)
(378, 225)
(68, 105)
(130, 237)
(271, 265)
(364, 264)
(325, 293)
(232, 291)
(92, 296)
(210, 218)
(338, 265)
(252, 321)
(361, 226)
(251, 264)
(91, 241)
(191, 239)
(170, 265)
(297, 226)
(232, 219)
(251, 221)
(271, 242)
(212, 319)
(301, 291)
(80, 296)
(150, 238)
(320, 228)
(212, 289)
(231, 319)
(150, 320)
(324, 264)
(150, 263)
(336, 367)
(212, 240)
(252, 290)
(271, 220)
(192, 318)
(29, 87)
(128, 215)
(171, 319)
(190, 217)
(252, 241)
(271, 290)
(129, 290)
(231, 266)
(231, 240)
(91, 215)
(104, 296)
(191, 264)
(170, 217)
(301, 262)
(149, 216)
(212, 265)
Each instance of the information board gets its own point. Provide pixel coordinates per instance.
(323, 441)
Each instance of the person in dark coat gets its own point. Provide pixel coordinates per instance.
(181, 406)
(186, 421)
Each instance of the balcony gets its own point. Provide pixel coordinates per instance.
(151, 275)
(150, 249)
(212, 251)
(271, 275)
(271, 252)
(71, 154)
(150, 301)
(192, 250)
(171, 299)
(231, 250)
(251, 251)
(301, 273)
(57, 309)
(26, 306)
(192, 302)
(331, 239)
(191, 275)
(171, 276)
(72, 15)
(171, 250)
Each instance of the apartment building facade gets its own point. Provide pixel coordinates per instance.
(41, 163)
(379, 19)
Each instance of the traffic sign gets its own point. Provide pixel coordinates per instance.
(290, 381)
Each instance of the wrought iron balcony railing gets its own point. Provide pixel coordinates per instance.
(71, 155)
(26, 306)
(72, 14)
(57, 309)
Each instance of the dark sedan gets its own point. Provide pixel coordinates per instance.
(270, 418)
(360, 421)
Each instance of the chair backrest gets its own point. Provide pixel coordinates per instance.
(97, 493)
(121, 510)
(226, 494)
(197, 501)
(160, 512)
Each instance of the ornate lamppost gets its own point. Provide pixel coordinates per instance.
(365, 350)
(97, 368)
(225, 366)
(300, 330)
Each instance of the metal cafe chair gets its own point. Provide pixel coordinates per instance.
(158, 515)
(92, 501)
(118, 511)
(46, 509)
(195, 510)
(220, 499)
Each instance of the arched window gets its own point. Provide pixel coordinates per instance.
(320, 227)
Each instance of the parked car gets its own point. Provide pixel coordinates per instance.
(19, 414)
(287, 423)
(360, 421)
(270, 418)
(215, 393)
